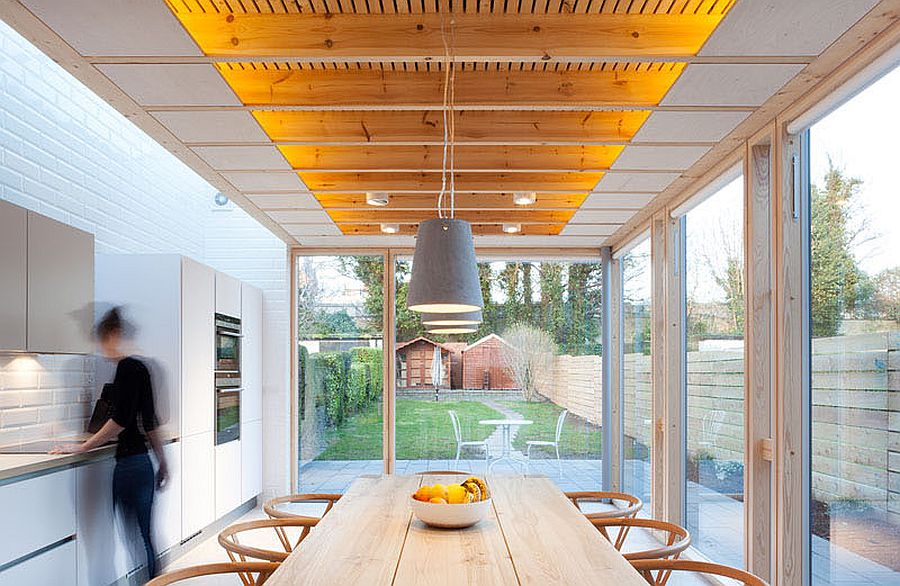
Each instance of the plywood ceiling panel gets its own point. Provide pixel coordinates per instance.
(300, 216)
(212, 126)
(254, 181)
(734, 84)
(608, 216)
(269, 201)
(637, 182)
(242, 158)
(626, 201)
(710, 126)
(659, 157)
(167, 84)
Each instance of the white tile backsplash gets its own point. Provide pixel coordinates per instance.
(44, 396)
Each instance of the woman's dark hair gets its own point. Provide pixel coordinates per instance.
(110, 324)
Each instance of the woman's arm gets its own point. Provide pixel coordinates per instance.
(106, 434)
(162, 473)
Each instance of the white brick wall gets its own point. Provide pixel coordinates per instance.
(67, 154)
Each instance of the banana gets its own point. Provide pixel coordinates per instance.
(473, 490)
(482, 485)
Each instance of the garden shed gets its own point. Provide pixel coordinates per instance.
(484, 366)
(414, 360)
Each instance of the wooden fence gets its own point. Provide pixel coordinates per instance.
(856, 410)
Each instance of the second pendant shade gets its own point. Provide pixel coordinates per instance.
(468, 318)
(445, 272)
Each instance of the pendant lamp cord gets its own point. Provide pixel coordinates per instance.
(449, 117)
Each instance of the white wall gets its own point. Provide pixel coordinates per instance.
(67, 154)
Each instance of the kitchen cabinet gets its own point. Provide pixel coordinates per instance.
(228, 477)
(55, 566)
(251, 459)
(13, 276)
(198, 341)
(60, 287)
(228, 295)
(167, 507)
(251, 352)
(49, 498)
(198, 492)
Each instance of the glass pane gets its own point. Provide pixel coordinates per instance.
(715, 375)
(636, 367)
(339, 336)
(855, 326)
(535, 356)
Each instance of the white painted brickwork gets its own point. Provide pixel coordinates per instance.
(67, 154)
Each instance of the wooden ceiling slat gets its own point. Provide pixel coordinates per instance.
(467, 158)
(373, 216)
(465, 182)
(430, 6)
(507, 90)
(471, 126)
(477, 229)
(485, 201)
(480, 37)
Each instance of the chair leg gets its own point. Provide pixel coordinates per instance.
(558, 461)
(528, 460)
(458, 450)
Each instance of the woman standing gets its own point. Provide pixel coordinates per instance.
(133, 420)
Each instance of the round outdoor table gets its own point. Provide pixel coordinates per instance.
(506, 451)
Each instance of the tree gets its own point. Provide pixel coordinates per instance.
(529, 357)
(887, 296)
(333, 324)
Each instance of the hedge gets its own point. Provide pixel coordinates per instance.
(344, 382)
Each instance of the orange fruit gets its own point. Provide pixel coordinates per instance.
(439, 491)
(457, 494)
(423, 494)
(437, 501)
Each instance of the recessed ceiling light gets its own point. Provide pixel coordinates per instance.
(524, 198)
(390, 228)
(512, 228)
(377, 198)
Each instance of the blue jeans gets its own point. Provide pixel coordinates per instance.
(133, 487)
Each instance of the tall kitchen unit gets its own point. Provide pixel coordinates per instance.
(172, 301)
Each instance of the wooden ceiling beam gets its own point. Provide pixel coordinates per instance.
(466, 158)
(470, 37)
(422, 201)
(465, 182)
(472, 126)
(477, 229)
(630, 88)
(372, 216)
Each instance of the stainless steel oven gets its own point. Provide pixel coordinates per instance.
(228, 378)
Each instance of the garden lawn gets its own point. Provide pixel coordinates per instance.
(424, 431)
(579, 439)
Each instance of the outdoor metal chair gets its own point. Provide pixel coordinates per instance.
(543, 443)
(460, 444)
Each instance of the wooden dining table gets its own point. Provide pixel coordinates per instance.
(533, 535)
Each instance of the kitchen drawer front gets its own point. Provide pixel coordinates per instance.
(42, 510)
(54, 567)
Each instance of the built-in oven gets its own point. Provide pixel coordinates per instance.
(228, 378)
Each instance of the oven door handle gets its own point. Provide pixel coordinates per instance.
(229, 390)
(229, 334)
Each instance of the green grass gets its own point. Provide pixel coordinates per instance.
(579, 439)
(424, 431)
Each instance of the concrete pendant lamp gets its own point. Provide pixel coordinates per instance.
(444, 272)
(449, 330)
(469, 318)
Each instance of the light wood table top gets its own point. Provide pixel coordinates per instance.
(533, 536)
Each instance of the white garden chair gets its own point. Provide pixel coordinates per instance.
(549, 444)
(460, 444)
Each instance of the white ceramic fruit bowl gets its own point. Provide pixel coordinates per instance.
(450, 516)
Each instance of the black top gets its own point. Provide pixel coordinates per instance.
(132, 406)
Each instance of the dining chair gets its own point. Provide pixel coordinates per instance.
(262, 570)
(460, 444)
(634, 504)
(229, 539)
(676, 539)
(271, 506)
(647, 567)
(550, 444)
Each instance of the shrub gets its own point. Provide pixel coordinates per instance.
(373, 359)
(329, 370)
(357, 394)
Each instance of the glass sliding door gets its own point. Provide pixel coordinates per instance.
(854, 299)
(534, 362)
(339, 371)
(637, 415)
(714, 469)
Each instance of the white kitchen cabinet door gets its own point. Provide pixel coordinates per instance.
(167, 506)
(251, 459)
(197, 348)
(60, 287)
(198, 480)
(13, 276)
(103, 552)
(55, 567)
(50, 499)
(228, 295)
(228, 477)
(251, 352)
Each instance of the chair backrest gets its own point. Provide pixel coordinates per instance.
(676, 539)
(271, 506)
(634, 504)
(559, 423)
(457, 431)
(229, 538)
(258, 571)
(647, 567)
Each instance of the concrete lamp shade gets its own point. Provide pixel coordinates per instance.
(468, 318)
(445, 272)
